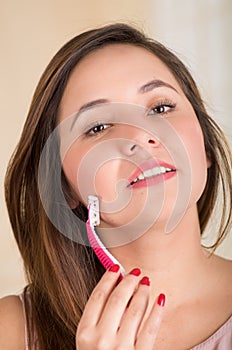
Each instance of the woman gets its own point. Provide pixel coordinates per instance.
(133, 101)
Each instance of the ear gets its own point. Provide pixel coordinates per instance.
(70, 195)
(73, 203)
(71, 198)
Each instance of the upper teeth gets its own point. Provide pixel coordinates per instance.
(152, 172)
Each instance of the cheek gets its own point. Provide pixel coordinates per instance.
(71, 165)
(91, 173)
(190, 156)
(194, 143)
(197, 149)
(107, 180)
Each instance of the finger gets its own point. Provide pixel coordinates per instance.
(117, 303)
(134, 314)
(151, 326)
(98, 298)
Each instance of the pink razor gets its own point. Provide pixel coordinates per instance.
(104, 256)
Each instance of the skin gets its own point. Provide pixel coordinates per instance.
(197, 286)
(119, 81)
(115, 73)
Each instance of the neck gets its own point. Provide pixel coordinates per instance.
(174, 261)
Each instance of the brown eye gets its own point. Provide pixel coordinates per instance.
(97, 129)
(161, 109)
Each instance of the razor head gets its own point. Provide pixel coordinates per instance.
(94, 216)
(103, 254)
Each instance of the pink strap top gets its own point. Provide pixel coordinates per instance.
(220, 340)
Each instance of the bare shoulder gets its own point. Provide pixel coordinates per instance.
(11, 323)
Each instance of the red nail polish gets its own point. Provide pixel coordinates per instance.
(161, 300)
(145, 281)
(135, 272)
(114, 268)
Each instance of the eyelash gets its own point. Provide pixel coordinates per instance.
(91, 131)
(166, 103)
(162, 104)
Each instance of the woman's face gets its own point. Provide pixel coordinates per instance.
(139, 146)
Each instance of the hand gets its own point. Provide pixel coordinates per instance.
(114, 314)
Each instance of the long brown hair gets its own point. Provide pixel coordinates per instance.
(61, 272)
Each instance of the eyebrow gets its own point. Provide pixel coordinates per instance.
(151, 85)
(91, 104)
(154, 84)
(87, 106)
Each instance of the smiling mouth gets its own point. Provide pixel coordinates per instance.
(151, 173)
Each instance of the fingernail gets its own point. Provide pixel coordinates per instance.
(135, 272)
(161, 300)
(114, 268)
(145, 281)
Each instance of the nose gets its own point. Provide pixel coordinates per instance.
(131, 147)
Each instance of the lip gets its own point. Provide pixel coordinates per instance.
(149, 164)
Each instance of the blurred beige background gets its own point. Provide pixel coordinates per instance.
(200, 32)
